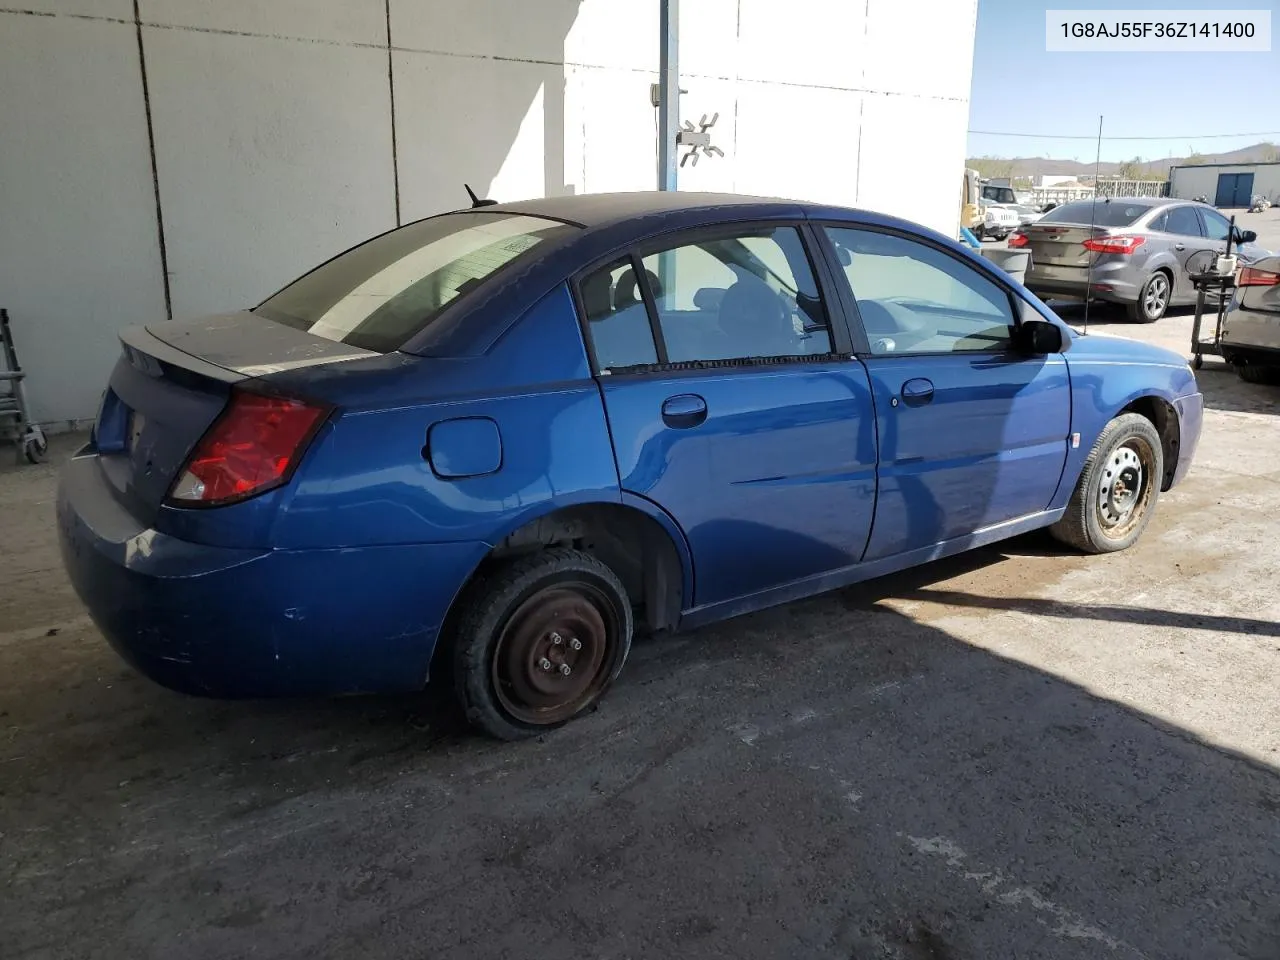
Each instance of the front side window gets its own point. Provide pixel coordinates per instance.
(1184, 222)
(914, 298)
(381, 293)
(1217, 227)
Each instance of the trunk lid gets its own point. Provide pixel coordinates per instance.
(173, 380)
(1061, 244)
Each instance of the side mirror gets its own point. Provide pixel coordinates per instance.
(1038, 338)
(1246, 236)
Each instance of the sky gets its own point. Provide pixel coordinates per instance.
(1175, 98)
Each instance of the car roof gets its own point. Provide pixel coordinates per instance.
(603, 209)
(1135, 201)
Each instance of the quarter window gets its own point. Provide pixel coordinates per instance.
(914, 298)
(617, 320)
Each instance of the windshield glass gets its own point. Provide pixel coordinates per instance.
(1106, 213)
(383, 292)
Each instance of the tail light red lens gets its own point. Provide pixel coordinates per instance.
(254, 446)
(1121, 245)
(1019, 239)
(1253, 277)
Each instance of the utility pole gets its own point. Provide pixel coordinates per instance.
(668, 91)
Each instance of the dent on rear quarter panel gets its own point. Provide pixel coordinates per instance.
(371, 484)
(1106, 376)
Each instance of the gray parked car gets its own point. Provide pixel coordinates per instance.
(1142, 251)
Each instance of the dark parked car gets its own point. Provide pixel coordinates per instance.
(1139, 252)
(1251, 328)
(496, 442)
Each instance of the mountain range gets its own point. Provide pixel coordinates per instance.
(1034, 166)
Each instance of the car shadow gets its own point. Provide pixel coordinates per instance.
(829, 778)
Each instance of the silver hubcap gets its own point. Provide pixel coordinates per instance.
(1157, 296)
(1121, 489)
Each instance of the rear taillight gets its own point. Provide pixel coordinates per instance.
(1018, 239)
(1122, 245)
(253, 446)
(1253, 277)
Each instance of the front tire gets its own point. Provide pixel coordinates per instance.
(539, 640)
(1117, 490)
(1153, 299)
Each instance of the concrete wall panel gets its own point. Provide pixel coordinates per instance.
(616, 148)
(771, 161)
(107, 9)
(506, 29)
(814, 42)
(493, 124)
(79, 257)
(340, 21)
(273, 156)
(899, 177)
(922, 47)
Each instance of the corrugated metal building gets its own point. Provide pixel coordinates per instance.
(1226, 184)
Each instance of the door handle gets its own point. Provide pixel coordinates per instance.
(917, 391)
(683, 411)
(1179, 246)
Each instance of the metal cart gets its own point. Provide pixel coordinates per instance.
(1224, 287)
(15, 422)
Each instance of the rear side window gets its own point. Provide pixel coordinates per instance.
(381, 293)
(1184, 222)
(1102, 213)
(732, 297)
(739, 297)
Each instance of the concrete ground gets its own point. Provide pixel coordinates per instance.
(1016, 753)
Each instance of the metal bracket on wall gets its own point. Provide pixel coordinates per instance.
(698, 140)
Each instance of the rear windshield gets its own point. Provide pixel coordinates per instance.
(1105, 213)
(383, 292)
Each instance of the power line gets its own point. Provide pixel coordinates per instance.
(1069, 136)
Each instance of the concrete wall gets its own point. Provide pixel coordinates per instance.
(284, 132)
(1186, 183)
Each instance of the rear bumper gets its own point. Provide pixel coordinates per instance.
(1110, 291)
(223, 622)
(1190, 419)
(1251, 330)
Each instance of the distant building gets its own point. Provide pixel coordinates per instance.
(1226, 184)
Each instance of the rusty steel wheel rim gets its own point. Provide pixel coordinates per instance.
(1128, 476)
(553, 655)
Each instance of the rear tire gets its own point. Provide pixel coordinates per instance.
(1118, 488)
(539, 641)
(1257, 373)
(1153, 299)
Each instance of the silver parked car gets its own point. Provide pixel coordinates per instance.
(1139, 251)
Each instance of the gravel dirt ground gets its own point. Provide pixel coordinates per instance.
(1020, 753)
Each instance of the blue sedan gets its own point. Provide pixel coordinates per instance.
(497, 442)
